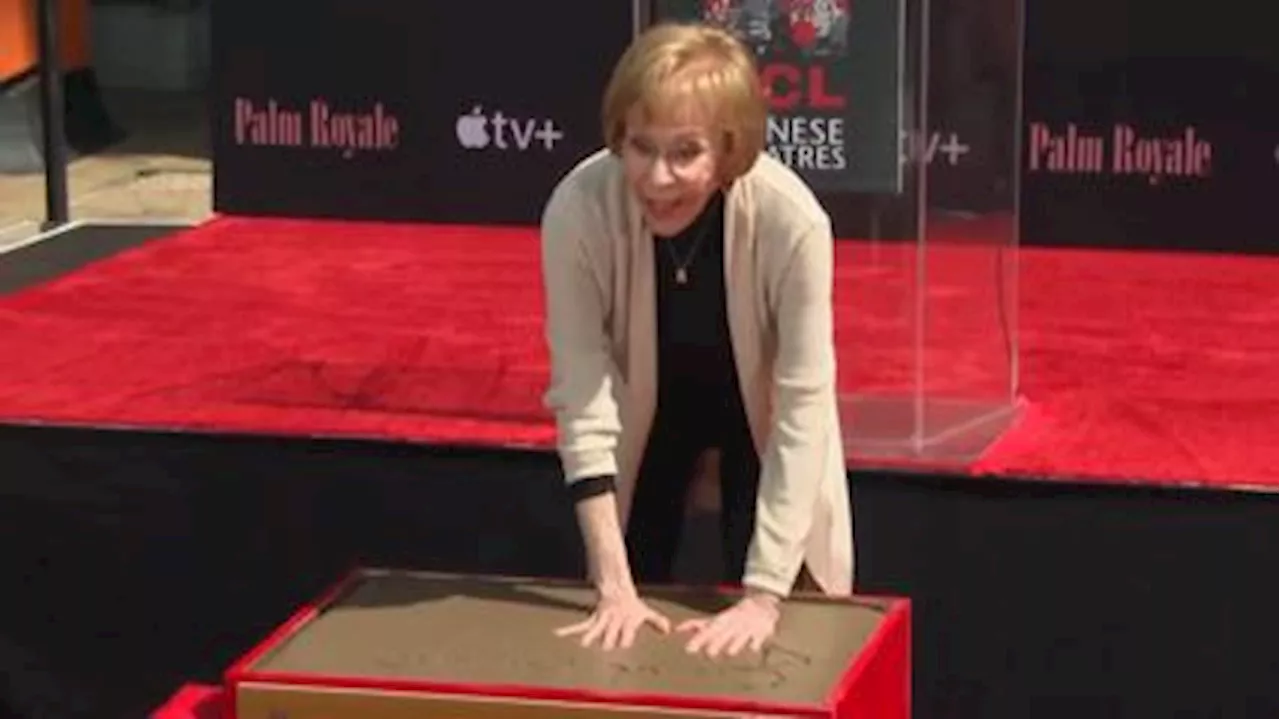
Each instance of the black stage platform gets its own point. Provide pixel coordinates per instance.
(141, 560)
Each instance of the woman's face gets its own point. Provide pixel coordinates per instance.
(672, 166)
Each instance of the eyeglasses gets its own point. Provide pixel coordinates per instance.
(679, 157)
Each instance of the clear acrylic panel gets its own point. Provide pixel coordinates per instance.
(925, 283)
(931, 296)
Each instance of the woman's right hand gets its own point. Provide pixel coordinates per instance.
(615, 622)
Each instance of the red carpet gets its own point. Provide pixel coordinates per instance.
(1135, 366)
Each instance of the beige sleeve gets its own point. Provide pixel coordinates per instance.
(804, 385)
(583, 375)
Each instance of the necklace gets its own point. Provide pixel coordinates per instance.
(682, 268)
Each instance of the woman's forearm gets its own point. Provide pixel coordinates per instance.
(607, 564)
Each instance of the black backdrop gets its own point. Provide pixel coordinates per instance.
(1161, 69)
(426, 64)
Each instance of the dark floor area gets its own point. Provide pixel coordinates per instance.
(141, 560)
(72, 248)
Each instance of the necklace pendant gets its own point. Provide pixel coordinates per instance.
(682, 277)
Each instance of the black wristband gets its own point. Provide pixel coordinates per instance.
(589, 487)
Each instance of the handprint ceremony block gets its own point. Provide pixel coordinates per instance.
(389, 644)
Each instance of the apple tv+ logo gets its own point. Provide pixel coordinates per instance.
(479, 131)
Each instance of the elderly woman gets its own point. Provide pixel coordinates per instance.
(688, 280)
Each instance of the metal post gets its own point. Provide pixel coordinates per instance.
(52, 117)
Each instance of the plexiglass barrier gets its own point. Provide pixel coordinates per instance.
(930, 298)
(904, 117)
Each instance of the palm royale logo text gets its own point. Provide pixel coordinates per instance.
(1181, 154)
(318, 124)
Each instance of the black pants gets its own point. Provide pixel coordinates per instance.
(677, 439)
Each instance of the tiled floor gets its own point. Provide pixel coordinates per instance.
(161, 170)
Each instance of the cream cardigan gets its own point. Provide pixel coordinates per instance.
(597, 260)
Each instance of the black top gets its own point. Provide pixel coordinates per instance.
(698, 395)
(697, 377)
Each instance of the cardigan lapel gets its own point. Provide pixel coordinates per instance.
(741, 301)
(641, 316)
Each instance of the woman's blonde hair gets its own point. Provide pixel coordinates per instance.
(672, 63)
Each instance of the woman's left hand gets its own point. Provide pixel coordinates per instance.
(749, 623)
